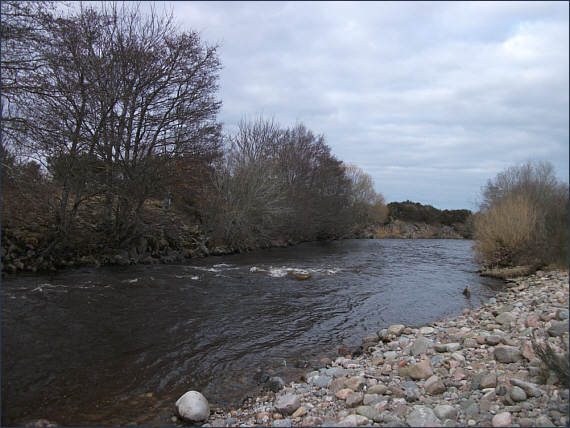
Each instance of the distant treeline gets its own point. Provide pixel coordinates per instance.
(416, 212)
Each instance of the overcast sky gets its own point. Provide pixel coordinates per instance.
(431, 99)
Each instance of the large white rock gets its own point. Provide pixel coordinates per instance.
(193, 407)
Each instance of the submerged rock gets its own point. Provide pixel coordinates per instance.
(275, 384)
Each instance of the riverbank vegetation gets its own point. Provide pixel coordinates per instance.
(523, 221)
(413, 220)
(112, 151)
(277, 185)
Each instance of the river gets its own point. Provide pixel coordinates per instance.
(118, 345)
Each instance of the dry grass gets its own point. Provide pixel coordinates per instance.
(383, 232)
(505, 232)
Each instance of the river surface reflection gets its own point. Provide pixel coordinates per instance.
(112, 346)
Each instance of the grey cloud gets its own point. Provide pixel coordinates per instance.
(415, 93)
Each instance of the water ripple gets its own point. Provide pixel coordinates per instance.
(84, 336)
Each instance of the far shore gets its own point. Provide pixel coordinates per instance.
(21, 256)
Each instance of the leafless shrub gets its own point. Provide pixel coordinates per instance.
(558, 362)
(246, 206)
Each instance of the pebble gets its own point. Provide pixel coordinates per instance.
(484, 375)
(502, 420)
(517, 394)
(287, 404)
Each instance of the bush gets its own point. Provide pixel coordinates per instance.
(26, 194)
(554, 361)
(506, 232)
(523, 218)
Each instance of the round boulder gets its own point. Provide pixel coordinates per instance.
(421, 346)
(558, 329)
(516, 393)
(396, 329)
(287, 404)
(446, 411)
(192, 407)
(507, 354)
(502, 420)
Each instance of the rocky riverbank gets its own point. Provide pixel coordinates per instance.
(398, 229)
(477, 369)
(23, 250)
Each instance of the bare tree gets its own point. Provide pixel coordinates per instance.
(165, 110)
(278, 185)
(247, 204)
(257, 139)
(26, 191)
(317, 187)
(367, 206)
(128, 97)
(21, 34)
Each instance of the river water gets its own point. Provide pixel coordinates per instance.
(118, 345)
